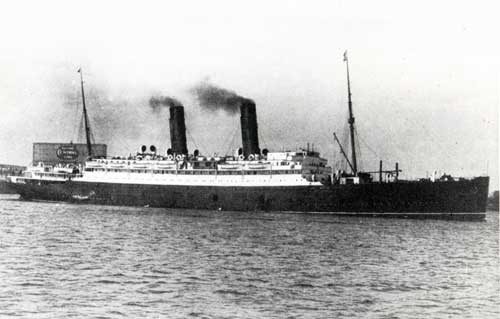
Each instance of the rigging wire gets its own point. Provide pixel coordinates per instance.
(120, 141)
(161, 137)
(232, 140)
(113, 137)
(273, 130)
(79, 137)
(192, 139)
(358, 151)
(77, 116)
(346, 145)
(366, 145)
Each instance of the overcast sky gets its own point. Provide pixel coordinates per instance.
(424, 76)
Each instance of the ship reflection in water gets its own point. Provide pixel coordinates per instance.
(60, 260)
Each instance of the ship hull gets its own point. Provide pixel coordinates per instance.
(5, 187)
(455, 199)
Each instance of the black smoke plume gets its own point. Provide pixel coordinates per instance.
(156, 102)
(214, 98)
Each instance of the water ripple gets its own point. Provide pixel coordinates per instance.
(63, 261)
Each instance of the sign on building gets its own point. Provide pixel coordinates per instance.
(65, 153)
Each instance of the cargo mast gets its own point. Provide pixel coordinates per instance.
(85, 117)
(351, 119)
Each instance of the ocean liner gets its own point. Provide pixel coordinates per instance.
(251, 179)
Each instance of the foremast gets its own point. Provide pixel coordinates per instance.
(354, 166)
(85, 117)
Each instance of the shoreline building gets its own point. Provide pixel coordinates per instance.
(65, 153)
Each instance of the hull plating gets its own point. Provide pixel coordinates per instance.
(458, 199)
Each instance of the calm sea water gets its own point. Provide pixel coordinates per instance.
(84, 261)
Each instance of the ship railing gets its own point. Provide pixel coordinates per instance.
(63, 176)
(440, 179)
(199, 171)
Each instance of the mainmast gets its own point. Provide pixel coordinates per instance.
(85, 117)
(351, 119)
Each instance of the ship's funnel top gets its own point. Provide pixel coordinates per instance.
(249, 131)
(177, 122)
(214, 98)
(178, 130)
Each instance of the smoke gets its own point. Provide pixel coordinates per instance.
(156, 102)
(214, 98)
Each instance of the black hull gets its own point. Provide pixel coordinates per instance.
(465, 199)
(5, 187)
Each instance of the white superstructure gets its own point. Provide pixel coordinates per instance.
(275, 169)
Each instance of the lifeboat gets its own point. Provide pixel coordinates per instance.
(141, 166)
(165, 166)
(93, 165)
(258, 166)
(229, 166)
